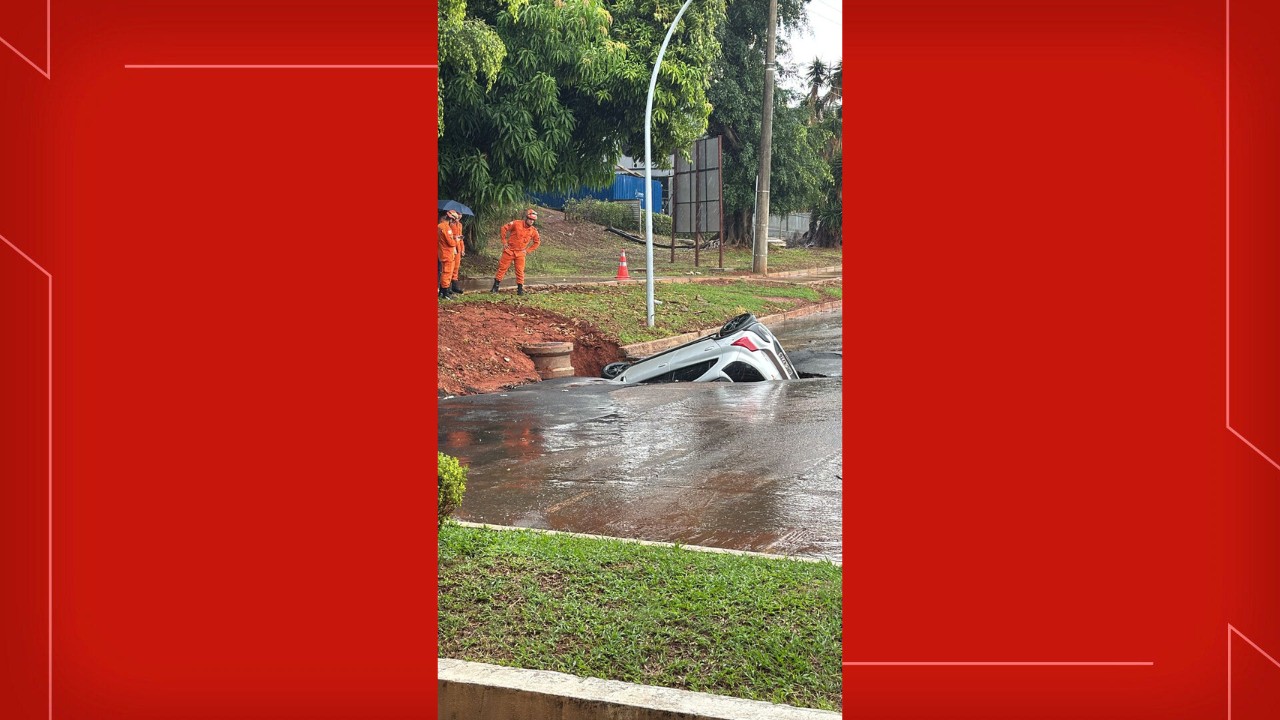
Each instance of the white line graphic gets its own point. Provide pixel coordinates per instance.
(49, 278)
(1232, 631)
(47, 70)
(1231, 428)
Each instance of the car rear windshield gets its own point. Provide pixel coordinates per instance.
(742, 372)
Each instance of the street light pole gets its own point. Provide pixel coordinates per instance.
(648, 168)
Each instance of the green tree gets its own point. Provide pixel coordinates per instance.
(735, 94)
(817, 77)
(827, 221)
(835, 83)
(569, 96)
(826, 224)
(468, 49)
(801, 174)
(680, 105)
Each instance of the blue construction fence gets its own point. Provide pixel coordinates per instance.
(624, 187)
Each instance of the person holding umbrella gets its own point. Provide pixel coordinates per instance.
(448, 237)
(451, 216)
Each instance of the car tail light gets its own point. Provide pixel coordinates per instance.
(745, 342)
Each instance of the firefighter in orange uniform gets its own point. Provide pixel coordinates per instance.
(519, 238)
(448, 237)
(454, 287)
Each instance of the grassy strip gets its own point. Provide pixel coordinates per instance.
(748, 627)
(572, 262)
(686, 307)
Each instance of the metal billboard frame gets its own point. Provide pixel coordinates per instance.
(697, 195)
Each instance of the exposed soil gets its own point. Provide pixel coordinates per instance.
(480, 346)
(480, 351)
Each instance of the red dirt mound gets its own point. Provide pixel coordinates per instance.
(480, 346)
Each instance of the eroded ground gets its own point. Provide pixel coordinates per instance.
(480, 346)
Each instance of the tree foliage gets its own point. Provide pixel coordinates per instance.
(817, 77)
(568, 95)
(827, 221)
(468, 48)
(799, 177)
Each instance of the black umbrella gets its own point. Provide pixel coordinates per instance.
(454, 205)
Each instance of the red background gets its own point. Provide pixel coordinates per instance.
(243, 361)
(1038, 465)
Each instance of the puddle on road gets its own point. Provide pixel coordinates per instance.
(749, 466)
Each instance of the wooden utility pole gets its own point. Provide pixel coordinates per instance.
(760, 261)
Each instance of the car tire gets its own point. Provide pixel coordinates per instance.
(735, 324)
(614, 369)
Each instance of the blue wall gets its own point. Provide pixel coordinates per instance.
(624, 187)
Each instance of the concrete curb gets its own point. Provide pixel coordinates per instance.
(478, 691)
(652, 543)
(636, 351)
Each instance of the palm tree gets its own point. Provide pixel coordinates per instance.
(826, 224)
(835, 78)
(817, 77)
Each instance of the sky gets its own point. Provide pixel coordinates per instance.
(821, 38)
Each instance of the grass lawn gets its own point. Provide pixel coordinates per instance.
(585, 250)
(686, 307)
(551, 260)
(747, 627)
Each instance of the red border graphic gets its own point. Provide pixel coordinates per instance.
(49, 349)
(47, 70)
(1232, 631)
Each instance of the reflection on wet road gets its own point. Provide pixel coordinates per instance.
(750, 466)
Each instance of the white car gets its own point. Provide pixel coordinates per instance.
(743, 350)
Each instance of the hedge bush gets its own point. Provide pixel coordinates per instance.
(451, 477)
(600, 212)
(615, 214)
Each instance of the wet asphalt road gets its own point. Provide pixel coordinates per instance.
(750, 466)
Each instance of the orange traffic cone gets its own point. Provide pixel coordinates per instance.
(622, 268)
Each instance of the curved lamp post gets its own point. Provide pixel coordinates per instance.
(648, 168)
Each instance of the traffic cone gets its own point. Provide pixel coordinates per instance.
(622, 268)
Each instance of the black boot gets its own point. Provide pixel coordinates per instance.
(444, 294)
(495, 286)
(455, 288)
(519, 289)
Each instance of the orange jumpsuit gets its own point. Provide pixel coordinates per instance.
(518, 238)
(447, 249)
(462, 249)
